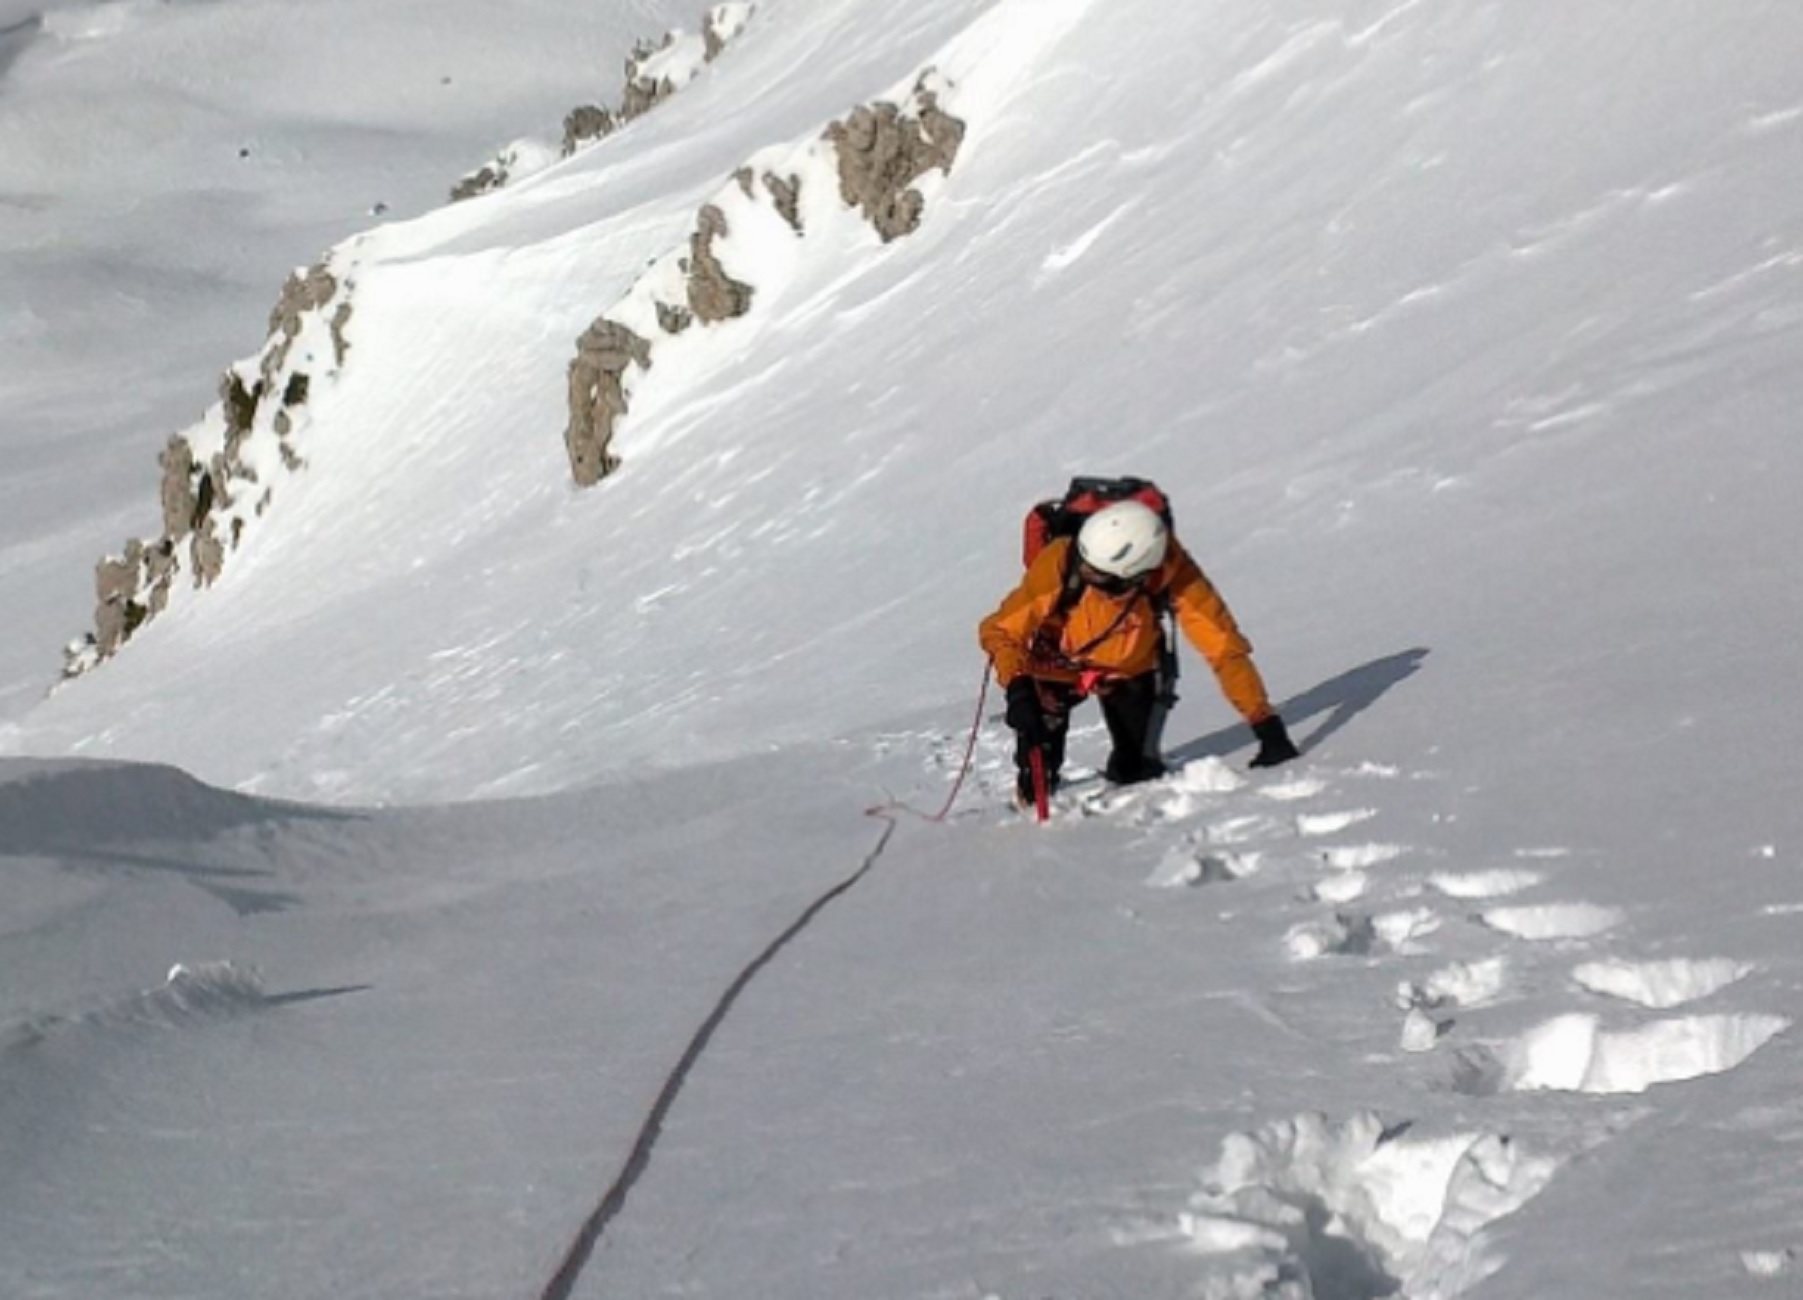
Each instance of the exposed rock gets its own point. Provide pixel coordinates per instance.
(302, 293)
(116, 578)
(340, 320)
(177, 461)
(883, 151)
(786, 195)
(203, 503)
(584, 123)
(713, 294)
(129, 590)
(207, 553)
(240, 402)
(722, 25)
(642, 95)
(158, 564)
(598, 396)
(482, 181)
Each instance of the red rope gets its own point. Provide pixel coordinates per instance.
(970, 749)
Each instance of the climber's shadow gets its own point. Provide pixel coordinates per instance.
(1341, 698)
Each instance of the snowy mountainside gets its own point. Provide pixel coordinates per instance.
(1337, 281)
(1463, 338)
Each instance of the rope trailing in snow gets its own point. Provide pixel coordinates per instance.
(970, 748)
(582, 1249)
(563, 1282)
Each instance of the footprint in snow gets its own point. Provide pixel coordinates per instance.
(1342, 887)
(1360, 934)
(1188, 867)
(1483, 884)
(1357, 857)
(1545, 922)
(1240, 830)
(1424, 1003)
(1329, 823)
(1462, 984)
(1576, 1053)
(1660, 985)
(1293, 790)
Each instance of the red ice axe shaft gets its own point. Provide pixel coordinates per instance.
(1041, 803)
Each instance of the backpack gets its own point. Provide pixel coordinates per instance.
(1063, 517)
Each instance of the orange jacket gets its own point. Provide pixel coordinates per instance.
(1119, 635)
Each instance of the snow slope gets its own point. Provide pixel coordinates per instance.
(1464, 339)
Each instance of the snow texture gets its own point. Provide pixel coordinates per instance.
(357, 909)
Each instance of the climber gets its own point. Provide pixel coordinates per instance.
(1086, 620)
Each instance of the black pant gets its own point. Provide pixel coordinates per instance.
(1133, 709)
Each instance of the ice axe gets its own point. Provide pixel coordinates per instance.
(1041, 800)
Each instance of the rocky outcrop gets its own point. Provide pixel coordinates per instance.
(714, 295)
(882, 151)
(878, 152)
(785, 194)
(213, 476)
(598, 396)
(584, 123)
(483, 180)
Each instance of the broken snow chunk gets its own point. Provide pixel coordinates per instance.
(1768, 1263)
(1421, 1031)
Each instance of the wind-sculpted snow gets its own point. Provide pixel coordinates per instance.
(1464, 338)
(52, 806)
(191, 995)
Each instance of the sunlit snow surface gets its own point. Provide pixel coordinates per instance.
(1465, 340)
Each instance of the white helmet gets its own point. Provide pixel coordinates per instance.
(1124, 540)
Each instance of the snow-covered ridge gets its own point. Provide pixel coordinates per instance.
(655, 71)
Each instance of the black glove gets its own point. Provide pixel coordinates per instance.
(1274, 743)
(1025, 714)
